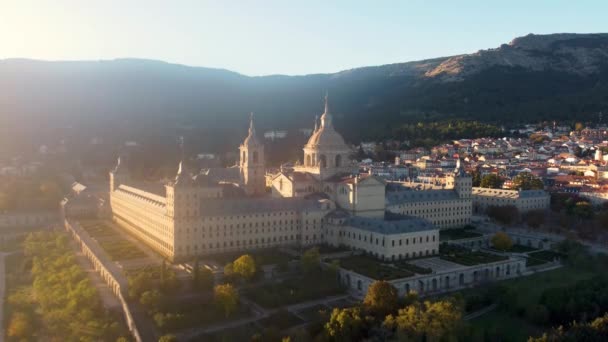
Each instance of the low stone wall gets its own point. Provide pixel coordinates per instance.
(441, 281)
(106, 268)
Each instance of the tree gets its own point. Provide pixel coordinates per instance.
(344, 324)
(579, 126)
(583, 210)
(527, 181)
(535, 218)
(226, 297)
(151, 300)
(19, 326)
(311, 260)
(504, 214)
(381, 298)
(537, 314)
(502, 241)
(167, 338)
(491, 181)
(244, 266)
(427, 321)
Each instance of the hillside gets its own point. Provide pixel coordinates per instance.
(536, 77)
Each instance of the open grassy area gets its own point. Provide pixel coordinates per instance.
(413, 268)
(510, 328)
(373, 268)
(98, 229)
(182, 315)
(522, 249)
(545, 255)
(313, 313)
(529, 290)
(469, 258)
(122, 250)
(261, 257)
(457, 234)
(296, 290)
(281, 320)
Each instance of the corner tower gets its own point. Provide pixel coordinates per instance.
(252, 168)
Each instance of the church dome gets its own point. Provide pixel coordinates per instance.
(326, 136)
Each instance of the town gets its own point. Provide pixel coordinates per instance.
(250, 251)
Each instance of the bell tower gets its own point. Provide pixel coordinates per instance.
(252, 167)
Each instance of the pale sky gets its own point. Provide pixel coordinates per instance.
(280, 37)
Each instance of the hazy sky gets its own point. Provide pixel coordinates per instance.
(288, 37)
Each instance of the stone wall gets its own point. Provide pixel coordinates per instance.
(440, 281)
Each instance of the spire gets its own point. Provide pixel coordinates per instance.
(251, 128)
(251, 138)
(182, 177)
(316, 123)
(326, 117)
(119, 168)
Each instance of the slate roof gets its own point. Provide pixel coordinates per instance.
(238, 206)
(409, 196)
(406, 225)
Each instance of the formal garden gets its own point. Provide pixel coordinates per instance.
(373, 268)
(467, 257)
(98, 229)
(121, 249)
(467, 232)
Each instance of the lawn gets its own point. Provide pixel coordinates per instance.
(295, 290)
(457, 234)
(545, 255)
(281, 320)
(313, 313)
(530, 262)
(509, 327)
(98, 229)
(122, 250)
(373, 268)
(468, 258)
(261, 257)
(529, 290)
(522, 249)
(181, 316)
(413, 268)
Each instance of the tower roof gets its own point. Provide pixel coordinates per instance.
(251, 139)
(119, 168)
(326, 136)
(183, 177)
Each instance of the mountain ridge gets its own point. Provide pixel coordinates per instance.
(532, 78)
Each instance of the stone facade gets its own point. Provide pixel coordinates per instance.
(523, 200)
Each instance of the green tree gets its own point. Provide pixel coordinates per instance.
(20, 326)
(583, 210)
(311, 260)
(502, 241)
(381, 298)
(226, 297)
(504, 214)
(492, 181)
(344, 324)
(151, 299)
(430, 321)
(167, 338)
(244, 266)
(527, 181)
